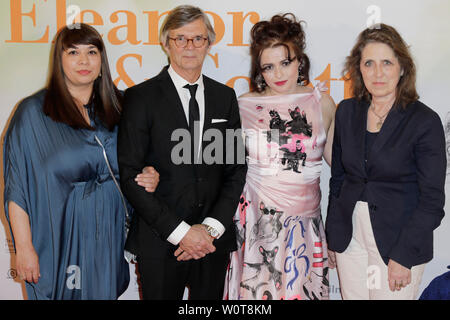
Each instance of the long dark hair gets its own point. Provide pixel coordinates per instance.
(106, 98)
(406, 87)
(281, 30)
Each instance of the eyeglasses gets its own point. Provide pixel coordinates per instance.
(182, 42)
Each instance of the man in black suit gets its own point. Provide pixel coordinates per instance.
(182, 233)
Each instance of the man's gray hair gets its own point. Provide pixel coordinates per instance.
(183, 15)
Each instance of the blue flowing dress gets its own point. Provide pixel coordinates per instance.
(60, 177)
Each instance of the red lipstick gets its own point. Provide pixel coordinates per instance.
(281, 83)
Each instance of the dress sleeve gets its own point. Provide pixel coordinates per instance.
(14, 163)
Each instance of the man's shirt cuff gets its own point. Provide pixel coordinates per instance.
(178, 234)
(215, 224)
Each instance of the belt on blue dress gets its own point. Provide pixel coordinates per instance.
(92, 185)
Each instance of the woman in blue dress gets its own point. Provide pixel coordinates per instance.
(67, 214)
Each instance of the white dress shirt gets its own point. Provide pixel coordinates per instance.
(178, 234)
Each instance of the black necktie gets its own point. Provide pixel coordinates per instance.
(194, 118)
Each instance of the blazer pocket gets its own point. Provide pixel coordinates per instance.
(214, 121)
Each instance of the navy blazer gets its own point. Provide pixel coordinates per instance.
(403, 183)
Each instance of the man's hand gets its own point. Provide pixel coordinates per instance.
(197, 243)
(149, 179)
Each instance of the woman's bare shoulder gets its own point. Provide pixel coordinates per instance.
(250, 94)
(328, 103)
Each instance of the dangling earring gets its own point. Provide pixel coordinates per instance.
(301, 78)
(260, 82)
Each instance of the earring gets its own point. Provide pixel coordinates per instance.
(260, 82)
(301, 77)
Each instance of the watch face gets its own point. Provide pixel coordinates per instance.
(212, 232)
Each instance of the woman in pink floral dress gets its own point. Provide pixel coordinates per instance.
(288, 127)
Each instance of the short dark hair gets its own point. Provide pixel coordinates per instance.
(59, 104)
(280, 30)
(382, 33)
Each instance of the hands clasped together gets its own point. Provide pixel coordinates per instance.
(197, 242)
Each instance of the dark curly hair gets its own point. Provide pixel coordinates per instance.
(281, 30)
(406, 87)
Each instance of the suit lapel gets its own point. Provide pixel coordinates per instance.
(171, 94)
(360, 130)
(210, 103)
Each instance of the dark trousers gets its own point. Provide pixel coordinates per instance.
(166, 278)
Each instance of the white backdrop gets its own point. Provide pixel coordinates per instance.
(130, 29)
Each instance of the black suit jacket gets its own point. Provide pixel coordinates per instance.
(152, 112)
(403, 184)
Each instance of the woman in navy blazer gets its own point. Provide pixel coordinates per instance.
(387, 176)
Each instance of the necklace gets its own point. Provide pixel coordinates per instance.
(380, 118)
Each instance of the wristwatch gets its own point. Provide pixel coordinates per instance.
(211, 231)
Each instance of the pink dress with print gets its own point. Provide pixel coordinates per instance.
(282, 251)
